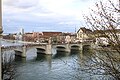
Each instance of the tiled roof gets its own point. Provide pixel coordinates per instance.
(50, 34)
(28, 33)
(85, 30)
(108, 31)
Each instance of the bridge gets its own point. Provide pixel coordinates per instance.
(44, 48)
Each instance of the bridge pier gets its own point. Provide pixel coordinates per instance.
(24, 51)
(81, 47)
(48, 49)
(21, 53)
(67, 48)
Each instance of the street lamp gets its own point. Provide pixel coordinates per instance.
(0, 17)
(0, 39)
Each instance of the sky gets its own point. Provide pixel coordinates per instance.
(44, 15)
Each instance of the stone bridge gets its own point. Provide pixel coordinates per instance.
(68, 47)
(20, 50)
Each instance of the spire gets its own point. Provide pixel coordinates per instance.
(75, 29)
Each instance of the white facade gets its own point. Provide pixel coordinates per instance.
(22, 31)
(101, 41)
(83, 34)
(67, 39)
(110, 37)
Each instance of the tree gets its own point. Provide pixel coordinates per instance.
(8, 66)
(105, 20)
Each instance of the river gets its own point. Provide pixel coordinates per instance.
(58, 66)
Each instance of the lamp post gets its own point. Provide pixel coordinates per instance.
(0, 39)
(0, 18)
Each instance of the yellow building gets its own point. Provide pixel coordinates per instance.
(84, 34)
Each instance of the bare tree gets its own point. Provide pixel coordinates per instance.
(104, 20)
(8, 66)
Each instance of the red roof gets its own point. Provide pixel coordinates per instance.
(50, 34)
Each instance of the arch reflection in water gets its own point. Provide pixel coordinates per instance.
(86, 51)
(75, 50)
(43, 57)
(86, 48)
(60, 49)
(20, 59)
(61, 54)
(85, 58)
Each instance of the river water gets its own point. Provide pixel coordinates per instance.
(58, 66)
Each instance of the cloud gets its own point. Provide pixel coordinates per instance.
(45, 12)
(21, 3)
(45, 7)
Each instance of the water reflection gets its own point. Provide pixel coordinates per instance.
(43, 57)
(50, 67)
(60, 54)
(85, 55)
(95, 62)
(20, 59)
(74, 51)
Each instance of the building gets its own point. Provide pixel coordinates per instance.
(84, 34)
(36, 36)
(28, 37)
(73, 37)
(105, 37)
(54, 36)
(51, 34)
(42, 36)
(22, 31)
(9, 36)
(32, 36)
(67, 37)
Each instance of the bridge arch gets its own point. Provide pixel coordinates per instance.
(86, 47)
(75, 46)
(45, 49)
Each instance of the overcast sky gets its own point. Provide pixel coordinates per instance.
(44, 15)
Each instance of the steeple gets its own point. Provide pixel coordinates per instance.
(75, 29)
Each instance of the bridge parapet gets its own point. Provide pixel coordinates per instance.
(7, 48)
(70, 46)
